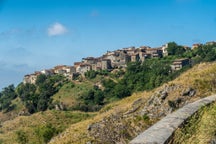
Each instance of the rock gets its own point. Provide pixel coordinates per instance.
(91, 126)
(135, 106)
(59, 106)
(189, 92)
(137, 102)
(192, 93)
(213, 141)
(23, 113)
(164, 94)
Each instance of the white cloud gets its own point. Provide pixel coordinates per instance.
(57, 29)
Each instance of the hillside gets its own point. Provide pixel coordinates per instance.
(106, 106)
(123, 120)
(200, 128)
(118, 121)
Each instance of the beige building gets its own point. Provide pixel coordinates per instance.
(47, 72)
(135, 57)
(211, 43)
(31, 78)
(164, 49)
(196, 45)
(83, 68)
(180, 63)
(155, 52)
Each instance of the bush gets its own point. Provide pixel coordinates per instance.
(22, 137)
(45, 133)
(91, 74)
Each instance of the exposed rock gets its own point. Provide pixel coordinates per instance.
(189, 92)
(137, 102)
(96, 125)
(23, 113)
(213, 141)
(59, 106)
(120, 127)
(162, 131)
(164, 94)
(135, 106)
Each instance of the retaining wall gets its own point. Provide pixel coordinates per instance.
(162, 131)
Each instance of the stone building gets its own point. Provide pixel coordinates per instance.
(180, 63)
(31, 78)
(83, 68)
(196, 45)
(135, 57)
(106, 64)
(155, 52)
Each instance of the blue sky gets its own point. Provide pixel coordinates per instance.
(39, 34)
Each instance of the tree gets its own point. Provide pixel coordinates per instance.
(40, 79)
(38, 97)
(6, 96)
(174, 49)
(91, 74)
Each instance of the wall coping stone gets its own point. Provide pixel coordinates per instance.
(162, 131)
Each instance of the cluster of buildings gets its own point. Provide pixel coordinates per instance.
(196, 45)
(111, 60)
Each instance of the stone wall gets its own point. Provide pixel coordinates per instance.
(162, 131)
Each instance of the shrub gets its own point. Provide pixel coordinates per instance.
(22, 137)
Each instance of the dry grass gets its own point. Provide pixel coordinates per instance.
(200, 129)
(59, 119)
(77, 133)
(201, 78)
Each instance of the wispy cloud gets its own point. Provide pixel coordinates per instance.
(57, 29)
(18, 52)
(9, 33)
(18, 32)
(13, 73)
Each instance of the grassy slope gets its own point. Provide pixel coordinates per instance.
(200, 129)
(68, 93)
(59, 119)
(201, 78)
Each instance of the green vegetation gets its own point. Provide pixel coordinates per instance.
(40, 127)
(38, 97)
(45, 133)
(204, 53)
(199, 129)
(174, 49)
(91, 100)
(6, 96)
(22, 137)
(84, 95)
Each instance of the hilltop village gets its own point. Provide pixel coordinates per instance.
(112, 60)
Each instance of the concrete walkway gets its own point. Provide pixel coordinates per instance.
(162, 131)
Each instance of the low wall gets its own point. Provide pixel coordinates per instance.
(162, 131)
